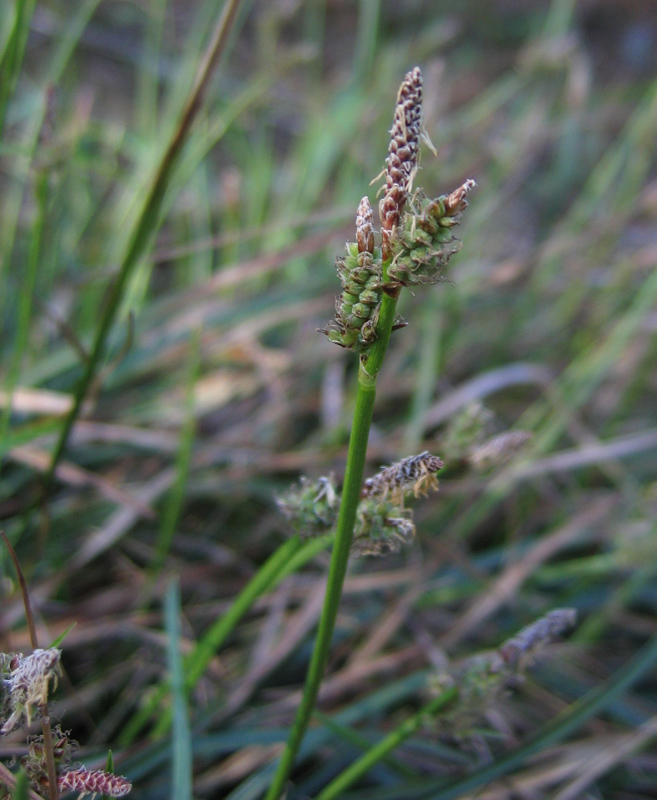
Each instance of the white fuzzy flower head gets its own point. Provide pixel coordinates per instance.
(28, 683)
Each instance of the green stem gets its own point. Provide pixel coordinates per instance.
(387, 745)
(353, 480)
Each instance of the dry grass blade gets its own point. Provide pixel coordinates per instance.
(606, 756)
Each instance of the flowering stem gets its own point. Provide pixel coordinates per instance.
(353, 481)
(387, 745)
(352, 308)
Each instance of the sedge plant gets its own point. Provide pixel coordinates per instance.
(416, 243)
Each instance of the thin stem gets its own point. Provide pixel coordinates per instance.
(49, 753)
(26, 597)
(387, 745)
(353, 481)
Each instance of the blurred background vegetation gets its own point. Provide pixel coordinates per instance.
(215, 392)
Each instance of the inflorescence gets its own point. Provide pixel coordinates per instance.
(416, 238)
(28, 679)
(481, 679)
(382, 522)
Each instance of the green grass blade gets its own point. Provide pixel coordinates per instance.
(181, 739)
(26, 299)
(12, 53)
(176, 496)
(21, 789)
(387, 745)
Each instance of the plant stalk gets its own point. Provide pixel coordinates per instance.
(353, 480)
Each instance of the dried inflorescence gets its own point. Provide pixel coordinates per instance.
(365, 227)
(480, 679)
(94, 782)
(28, 683)
(416, 474)
(403, 156)
(34, 761)
(382, 522)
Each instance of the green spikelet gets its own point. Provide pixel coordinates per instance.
(310, 506)
(361, 273)
(382, 526)
(424, 244)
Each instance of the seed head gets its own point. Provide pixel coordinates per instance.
(28, 683)
(403, 154)
(423, 242)
(94, 782)
(382, 526)
(416, 473)
(311, 506)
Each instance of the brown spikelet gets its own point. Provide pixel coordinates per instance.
(455, 202)
(416, 473)
(365, 227)
(94, 782)
(403, 152)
